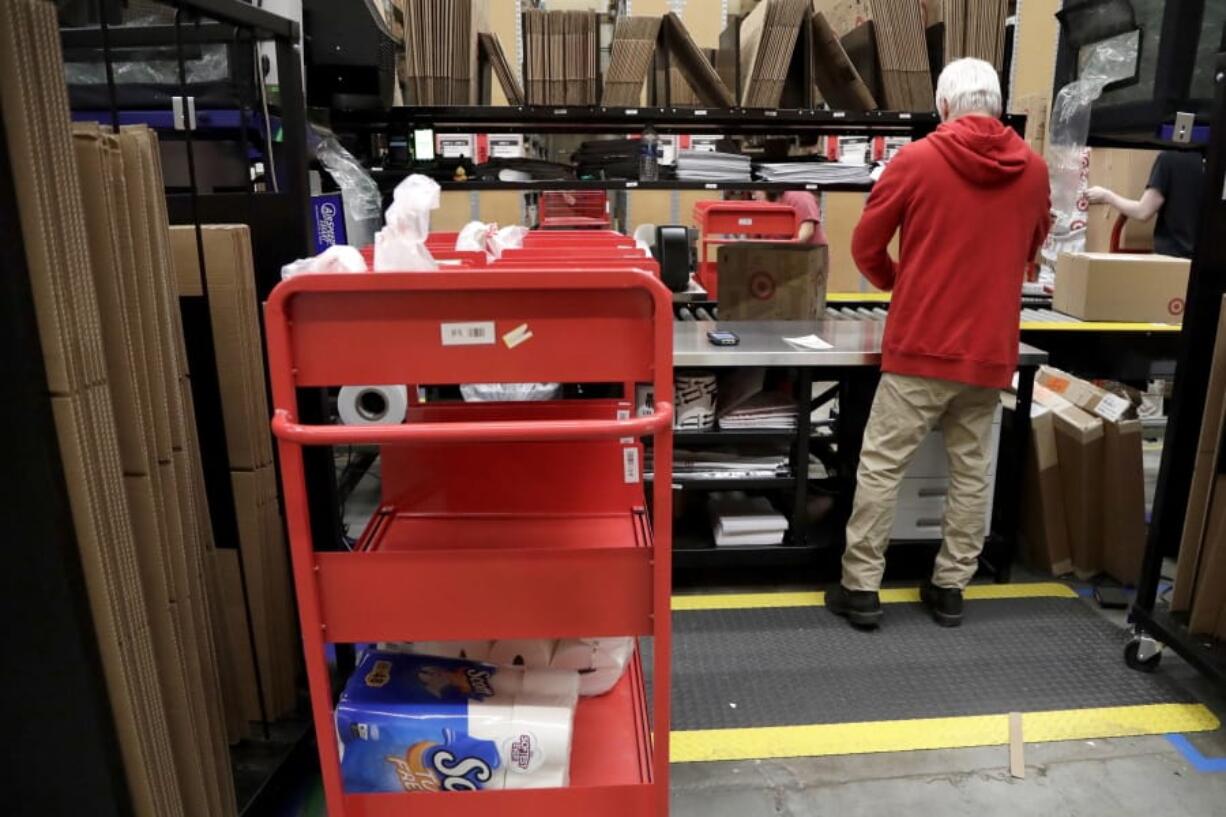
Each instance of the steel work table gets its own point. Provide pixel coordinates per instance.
(853, 362)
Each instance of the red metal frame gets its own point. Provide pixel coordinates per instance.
(718, 221)
(1117, 238)
(518, 507)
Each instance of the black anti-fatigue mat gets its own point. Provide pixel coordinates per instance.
(801, 665)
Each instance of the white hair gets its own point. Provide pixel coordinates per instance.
(968, 86)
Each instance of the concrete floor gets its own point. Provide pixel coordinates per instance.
(1121, 777)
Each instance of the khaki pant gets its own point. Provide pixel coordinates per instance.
(904, 411)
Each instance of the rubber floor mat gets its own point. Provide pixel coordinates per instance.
(739, 673)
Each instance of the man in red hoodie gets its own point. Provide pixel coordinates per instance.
(972, 203)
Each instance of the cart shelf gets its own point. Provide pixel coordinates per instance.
(565, 576)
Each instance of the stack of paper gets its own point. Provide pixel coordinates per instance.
(709, 166)
(630, 56)
(768, 37)
(749, 464)
(814, 172)
(741, 520)
(762, 411)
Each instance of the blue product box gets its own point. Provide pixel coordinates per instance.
(328, 221)
(403, 724)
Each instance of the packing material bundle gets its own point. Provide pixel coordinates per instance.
(740, 520)
(430, 724)
(600, 662)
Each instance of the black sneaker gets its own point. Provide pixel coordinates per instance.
(945, 604)
(861, 607)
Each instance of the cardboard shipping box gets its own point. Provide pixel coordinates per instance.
(1213, 424)
(1208, 616)
(1126, 172)
(1123, 472)
(763, 280)
(1079, 449)
(1133, 288)
(1044, 523)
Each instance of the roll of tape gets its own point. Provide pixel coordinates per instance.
(373, 405)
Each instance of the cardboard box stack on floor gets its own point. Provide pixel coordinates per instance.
(1200, 580)
(1100, 459)
(239, 354)
(95, 231)
(1044, 521)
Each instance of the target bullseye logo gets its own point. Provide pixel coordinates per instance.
(762, 286)
(1176, 306)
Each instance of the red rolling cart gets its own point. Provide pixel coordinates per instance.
(722, 222)
(499, 520)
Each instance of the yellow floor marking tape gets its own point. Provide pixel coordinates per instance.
(823, 740)
(1098, 326)
(900, 595)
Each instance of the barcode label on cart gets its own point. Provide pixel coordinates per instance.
(630, 464)
(478, 333)
(624, 414)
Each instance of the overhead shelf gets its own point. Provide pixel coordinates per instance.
(388, 178)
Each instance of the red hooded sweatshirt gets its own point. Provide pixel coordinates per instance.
(972, 201)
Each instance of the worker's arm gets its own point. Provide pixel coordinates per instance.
(882, 217)
(1142, 209)
(805, 233)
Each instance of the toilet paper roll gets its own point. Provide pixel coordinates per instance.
(471, 650)
(372, 405)
(533, 653)
(538, 755)
(493, 719)
(549, 687)
(600, 662)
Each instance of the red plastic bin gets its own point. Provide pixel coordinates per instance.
(719, 221)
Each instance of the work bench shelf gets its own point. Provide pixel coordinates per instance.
(497, 520)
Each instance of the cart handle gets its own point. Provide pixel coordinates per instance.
(506, 431)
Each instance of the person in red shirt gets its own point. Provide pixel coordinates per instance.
(972, 203)
(808, 214)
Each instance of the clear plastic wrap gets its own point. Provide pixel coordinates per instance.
(337, 258)
(1067, 157)
(359, 190)
(401, 245)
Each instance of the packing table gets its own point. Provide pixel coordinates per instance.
(853, 362)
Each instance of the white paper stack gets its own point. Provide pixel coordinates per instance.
(814, 172)
(689, 465)
(710, 166)
(740, 520)
(600, 662)
(765, 410)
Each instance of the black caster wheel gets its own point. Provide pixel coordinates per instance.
(1132, 657)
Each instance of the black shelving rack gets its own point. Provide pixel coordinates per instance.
(1155, 625)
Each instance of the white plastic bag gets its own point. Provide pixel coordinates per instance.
(509, 392)
(401, 245)
(508, 238)
(337, 258)
(474, 237)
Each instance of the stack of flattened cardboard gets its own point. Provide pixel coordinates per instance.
(1104, 466)
(902, 48)
(491, 48)
(630, 56)
(441, 49)
(840, 83)
(695, 67)
(561, 57)
(94, 228)
(1200, 580)
(230, 274)
(975, 28)
(39, 147)
(767, 39)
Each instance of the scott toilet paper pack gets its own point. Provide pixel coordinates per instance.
(425, 723)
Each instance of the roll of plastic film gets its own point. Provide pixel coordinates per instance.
(372, 405)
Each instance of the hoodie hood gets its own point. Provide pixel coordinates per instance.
(981, 149)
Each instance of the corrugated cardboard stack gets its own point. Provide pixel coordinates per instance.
(975, 28)
(491, 49)
(1200, 580)
(903, 51)
(693, 70)
(767, 39)
(441, 50)
(40, 150)
(1116, 538)
(241, 379)
(630, 56)
(561, 64)
(836, 76)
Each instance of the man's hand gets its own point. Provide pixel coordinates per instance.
(1099, 195)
